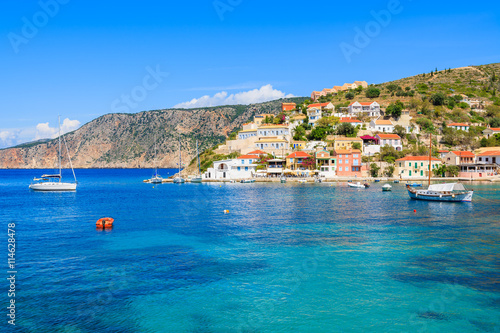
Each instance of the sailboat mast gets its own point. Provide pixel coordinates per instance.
(198, 154)
(59, 143)
(430, 156)
(180, 159)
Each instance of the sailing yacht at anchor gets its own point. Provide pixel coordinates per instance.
(53, 182)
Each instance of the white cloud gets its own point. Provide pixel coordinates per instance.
(264, 94)
(8, 138)
(44, 131)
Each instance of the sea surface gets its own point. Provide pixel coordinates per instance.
(284, 258)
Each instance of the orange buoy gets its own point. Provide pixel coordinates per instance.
(105, 222)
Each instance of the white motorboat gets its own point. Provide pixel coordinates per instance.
(53, 182)
(386, 188)
(358, 185)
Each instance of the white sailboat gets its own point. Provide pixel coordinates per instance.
(197, 178)
(179, 179)
(156, 178)
(53, 182)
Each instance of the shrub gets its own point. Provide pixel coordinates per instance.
(372, 92)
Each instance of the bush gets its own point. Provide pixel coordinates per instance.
(372, 92)
(438, 99)
(394, 109)
(374, 169)
(349, 95)
(346, 129)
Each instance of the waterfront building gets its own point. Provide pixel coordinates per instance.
(348, 162)
(295, 161)
(415, 166)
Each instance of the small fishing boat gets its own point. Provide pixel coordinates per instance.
(302, 181)
(414, 184)
(377, 180)
(283, 180)
(358, 185)
(448, 192)
(396, 181)
(386, 188)
(247, 181)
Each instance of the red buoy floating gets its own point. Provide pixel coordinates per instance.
(104, 223)
(414, 210)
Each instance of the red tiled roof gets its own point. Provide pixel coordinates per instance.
(389, 136)
(495, 129)
(458, 124)
(298, 154)
(418, 158)
(443, 151)
(464, 153)
(490, 153)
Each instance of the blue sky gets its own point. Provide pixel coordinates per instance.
(83, 59)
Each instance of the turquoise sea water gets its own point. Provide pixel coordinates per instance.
(286, 258)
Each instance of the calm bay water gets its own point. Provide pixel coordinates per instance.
(286, 258)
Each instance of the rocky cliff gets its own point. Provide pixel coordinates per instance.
(128, 140)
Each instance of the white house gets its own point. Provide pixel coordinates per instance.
(459, 126)
(314, 115)
(238, 168)
(371, 109)
(353, 121)
(381, 125)
(392, 140)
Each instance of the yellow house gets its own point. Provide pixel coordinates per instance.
(415, 166)
(345, 143)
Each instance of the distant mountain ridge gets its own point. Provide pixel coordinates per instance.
(128, 140)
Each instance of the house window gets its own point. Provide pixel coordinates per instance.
(340, 161)
(346, 161)
(340, 168)
(355, 155)
(422, 164)
(356, 162)
(409, 164)
(246, 168)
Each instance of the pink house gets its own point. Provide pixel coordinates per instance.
(348, 163)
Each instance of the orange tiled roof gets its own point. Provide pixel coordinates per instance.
(464, 153)
(345, 151)
(495, 129)
(418, 158)
(363, 103)
(383, 122)
(389, 136)
(298, 154)
(458, 124)
(490, 153)
(349, 120)
(247, 156)
(256, 152)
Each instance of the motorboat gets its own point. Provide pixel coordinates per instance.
(358, 185)
(247, 181)
(386, 188)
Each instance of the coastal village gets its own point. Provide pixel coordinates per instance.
(317, 140)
